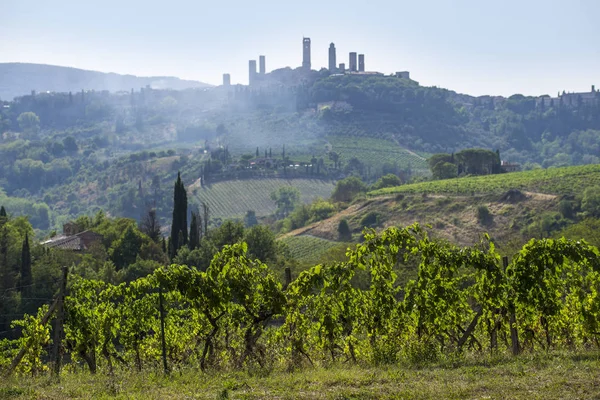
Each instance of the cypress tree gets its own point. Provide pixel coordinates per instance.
(194, 234)
(2, 211)
(26, 277)
(206, 213)
(164, 245)
(179, 223)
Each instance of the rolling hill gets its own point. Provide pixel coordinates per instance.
(18, 79)
(518, 206)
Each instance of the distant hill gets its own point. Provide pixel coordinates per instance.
(18, 79)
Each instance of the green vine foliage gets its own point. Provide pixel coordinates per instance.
(237, 315)
(35, 338)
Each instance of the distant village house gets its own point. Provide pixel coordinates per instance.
(73, 240)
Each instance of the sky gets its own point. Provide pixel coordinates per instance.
(478, 47)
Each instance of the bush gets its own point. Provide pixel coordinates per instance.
(389, 180)
(320, 210)
(346, 189)
(566, 209)
(370, 220)
(484, 216)
(590, 204)
(344, 230)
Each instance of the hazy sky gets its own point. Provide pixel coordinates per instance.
(471, 46)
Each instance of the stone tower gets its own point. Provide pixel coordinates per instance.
(262, 61)
(332, 61)
(306, 53)
(352, 64)
(226, 80)
(361, 63)
(251, 72)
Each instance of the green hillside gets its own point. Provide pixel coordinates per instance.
(232, 199)
(566, 180)
(308, 249)
(375, 153)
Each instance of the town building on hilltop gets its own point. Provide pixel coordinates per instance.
(306, 54)
(262, 65)
(251, 72)
(73, 240)
(332, 58)
(352, 65)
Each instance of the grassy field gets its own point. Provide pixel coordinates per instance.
(567, 180)
(231, 199)
(308, 249)
(376, 152)
(544, 376)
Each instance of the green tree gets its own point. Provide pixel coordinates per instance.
(26, 278)
(229, 233)
(344, 230)
(346, 189)
(126, 249)
(179, 223)
(321, 209)
(388, 180)
(444, 170)
(286, 198)
(590, 203)
(250, 219)
(2, 212)
(437, 158)
(261, 243)
(70, 144)
(29, 123)
(150, 226)
(194, 232)
(200, 257)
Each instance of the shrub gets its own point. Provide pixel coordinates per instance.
(346, 189)
(566, 209)
(590, 203)
(370, 220)
(484, 216)
(344, 230)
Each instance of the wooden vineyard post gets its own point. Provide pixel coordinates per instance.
(59, 324)
(162, 329)
(514, 334)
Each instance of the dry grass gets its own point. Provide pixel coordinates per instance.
(453, 217)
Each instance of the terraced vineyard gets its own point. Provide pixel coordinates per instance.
(376, 152)
(559, 181)
(308, 249)
(232, 199)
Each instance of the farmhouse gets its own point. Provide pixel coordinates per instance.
(73, 240)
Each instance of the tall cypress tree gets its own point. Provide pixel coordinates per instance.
(2, 212)
(26, 277)
(179, 223)
(194, 242)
